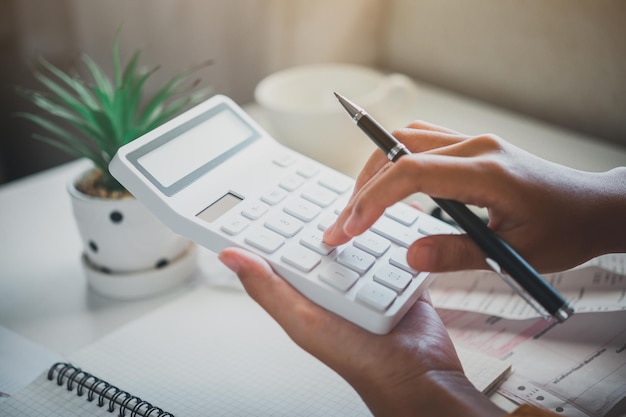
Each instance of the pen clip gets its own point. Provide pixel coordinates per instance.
(520, 291)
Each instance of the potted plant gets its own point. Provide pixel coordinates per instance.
(127, 252)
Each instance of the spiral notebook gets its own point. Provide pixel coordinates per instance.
(210, 352)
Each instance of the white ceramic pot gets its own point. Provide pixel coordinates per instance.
(128, 252)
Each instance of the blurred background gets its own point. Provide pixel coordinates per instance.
(560, 61)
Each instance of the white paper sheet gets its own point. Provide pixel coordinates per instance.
(590, 288)
(577, 368)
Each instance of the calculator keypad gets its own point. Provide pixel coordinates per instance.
(288, 221)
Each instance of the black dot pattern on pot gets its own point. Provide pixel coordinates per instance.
(93, 246)
(116, 217)
(162, 263)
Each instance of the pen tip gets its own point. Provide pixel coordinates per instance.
(350, 107)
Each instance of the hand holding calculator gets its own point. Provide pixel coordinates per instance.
(214, 176)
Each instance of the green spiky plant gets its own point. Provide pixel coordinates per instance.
(93, 119)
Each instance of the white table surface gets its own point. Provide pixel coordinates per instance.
(44, 295)
(43, 292)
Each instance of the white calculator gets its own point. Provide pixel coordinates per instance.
(214, 176)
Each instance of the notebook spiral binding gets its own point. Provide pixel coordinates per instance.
(104, 392)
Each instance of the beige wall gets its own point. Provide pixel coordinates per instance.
(248, 39)
(563, 61)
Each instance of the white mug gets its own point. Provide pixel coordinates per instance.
(304, 114)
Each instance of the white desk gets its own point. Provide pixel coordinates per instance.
(44, 295)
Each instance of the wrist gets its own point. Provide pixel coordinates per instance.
(434, 393)
(607, 216)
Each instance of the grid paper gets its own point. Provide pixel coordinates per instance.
(207, 353)
(211, 353)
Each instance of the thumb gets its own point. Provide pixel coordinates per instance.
(254, 272)
(445, 253)
(286, 305)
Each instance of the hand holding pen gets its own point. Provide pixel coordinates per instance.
(527, 199)
(554, 216)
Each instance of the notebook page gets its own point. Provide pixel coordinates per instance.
(45, 398)
(218, 353)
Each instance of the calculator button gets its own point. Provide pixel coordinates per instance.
(402, 213)
(372, 243)
(356, 259)
(376, 296)
(314, 240)
(302, 209)
(393, 278)
(264, 239)
(398, 258)
(337, 183)
(308, 170)
(283, 224)
(338, 276)
(430, 226)
(292, 182)
(321, 196)
(284, 160)
(274, 196)
(255, 210)
(301, 258)
(326, 221)
(234, 225)
(396, 232)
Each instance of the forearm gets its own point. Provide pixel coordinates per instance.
(435, 393)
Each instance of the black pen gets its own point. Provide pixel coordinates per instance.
(500, 256)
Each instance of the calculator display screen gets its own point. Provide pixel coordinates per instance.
(181, 156)
(218, 208)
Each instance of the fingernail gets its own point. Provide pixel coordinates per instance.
(423, 257)
(351, 224)
(232, 264)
